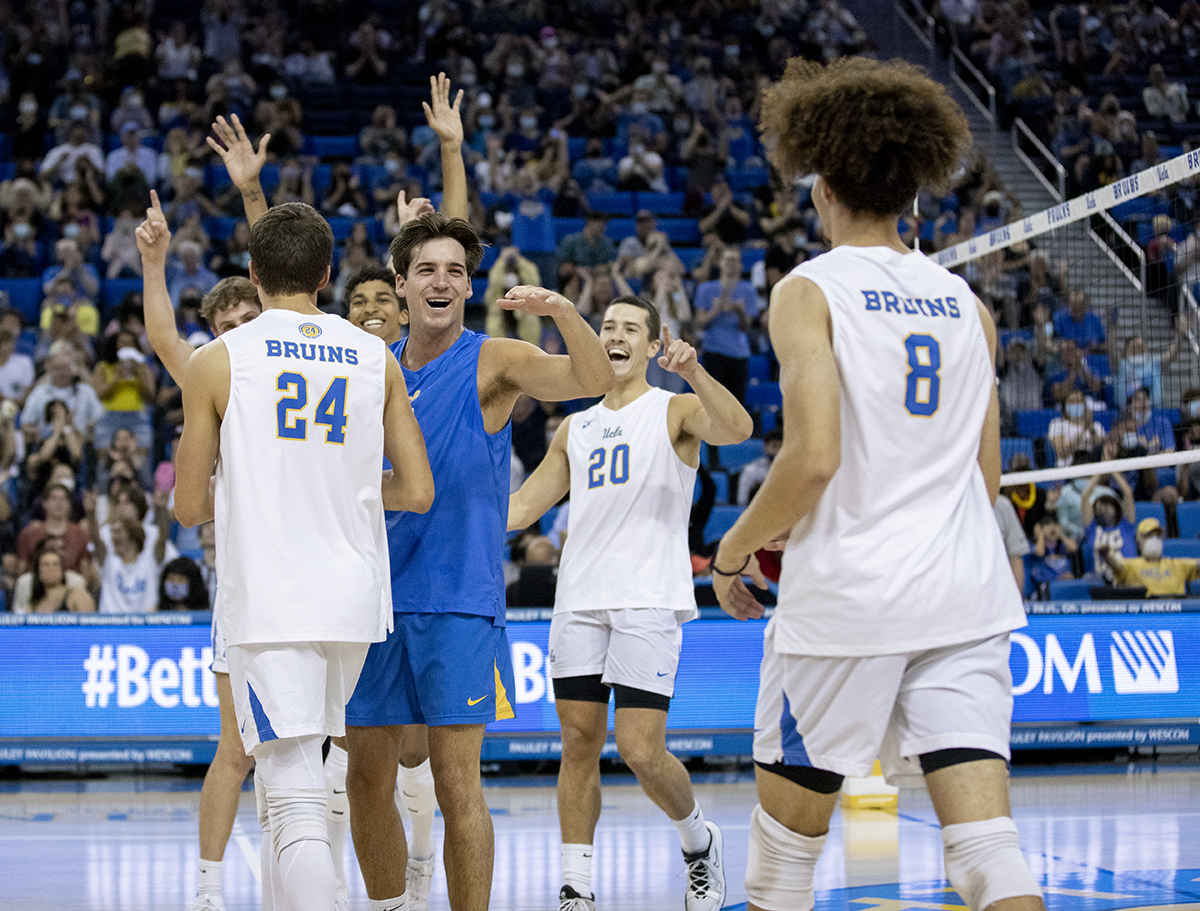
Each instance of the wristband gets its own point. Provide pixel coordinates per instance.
(738, 572)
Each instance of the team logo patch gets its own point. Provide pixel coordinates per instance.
(310, 330)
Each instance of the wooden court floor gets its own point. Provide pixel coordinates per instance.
(1099, 839)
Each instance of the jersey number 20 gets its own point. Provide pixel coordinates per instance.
(331, 409)
(924, 385)
(618, 472)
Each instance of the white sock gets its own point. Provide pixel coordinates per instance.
(577, 868)
(390, 904)
(337, 809)
(693, 833)
(209, 880)
(415, 791)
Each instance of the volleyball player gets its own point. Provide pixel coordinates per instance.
(448, 663)
(301, 408)
(625, 586)
(896, 601)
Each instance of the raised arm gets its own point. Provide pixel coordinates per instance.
(549, 483)
(801, 332)
(1128, 507)
(989, 439)
(409, 487)
(162, 521)
(153, 241)
(242, 162)
(713, 414)
(445, 119)
(205, 392)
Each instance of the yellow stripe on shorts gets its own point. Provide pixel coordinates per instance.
(504, 709)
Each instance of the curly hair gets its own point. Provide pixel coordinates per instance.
(372, 274)
(228, 292)
(418, 232)
(875, 132)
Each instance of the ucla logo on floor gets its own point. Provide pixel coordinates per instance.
(310, 330)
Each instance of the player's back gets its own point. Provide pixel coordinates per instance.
(902, 551)
(302, 552)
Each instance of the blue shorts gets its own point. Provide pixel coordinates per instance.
(435, 669)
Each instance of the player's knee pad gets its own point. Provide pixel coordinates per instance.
(260, 801)
(296, 814)
(416, 788)
(337, 801)
(779, 869)
(984, 862)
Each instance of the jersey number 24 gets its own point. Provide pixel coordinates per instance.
(331, 409)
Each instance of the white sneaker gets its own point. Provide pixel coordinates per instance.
(207, 903)
(706, 875)
(418, 879)
(570, 900)
(341, 901)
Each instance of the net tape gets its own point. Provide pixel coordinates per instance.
(1073, 210)
(1069, 472)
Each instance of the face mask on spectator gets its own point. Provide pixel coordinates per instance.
(766, 30)
(1194, 409)
(732, 50)
(135, 101)
(682, 124)
(487, 121)
(176, 591)
(22, 231)
(1129, 440)
(278, 92)
(515, 70)
(528, 123)
(639, 107)
(29, 106)
(1152, 547)
(392, 165)
(580, 90)
(1137, 361)
(79, 112)
(1073, 410)
(659, 67)
(467, 78)
(637, 148)
(71, 230)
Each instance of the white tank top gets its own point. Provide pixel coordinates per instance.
(631, 496)
(301, 543)
(902, 552)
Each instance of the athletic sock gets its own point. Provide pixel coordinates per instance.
(416, 791)
(209, 880)
(390, 904)
(693, 832)
(337, 809)
(577, 868)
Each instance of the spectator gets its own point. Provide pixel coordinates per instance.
(382, 136)
(371, 43)
(222, 22)
(1052, 553)
(642, 169)
(84, 279)
(509, 270)
(725, 217)
(132, 109)
(537, 576)
(234, 260)
(1016, 545)
(705, 156)
(295, 184)
(28, 137)
(1020, 383)
(1074, 374)
(74, 108)
(345, 196)
(19, 257)
(76, 220)
(584, 250)
(1107, 520)
(1029, 500)
(132, 152)
(646, 250)
(725, 309)
(1076, 428)
(120, 248)
(68, 539)
(48, 587)
(178, 56)
(595, 171)
(125, 387)
(82, 316)
(129, 566)
(59, 163)
(755, 472)
(309, 65)
(182, 587)
(1154, 429)
(663, 90)
(16, 369)
(189, 271)
(1162, 577)
(1079, 324)
(208, 562)
(704, 93)
(280, 115)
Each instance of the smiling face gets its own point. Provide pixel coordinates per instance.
(375, 308)
(232, 317)
(50, 568)
(625, 335)
(436, 286)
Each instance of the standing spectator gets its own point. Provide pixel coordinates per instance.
(129, 569)
(344, 196)
(222, 22)
(646, 250)
(1108, 522)
(1162, 577)
(308, 65)
(724, 310)
(705, 158)
(704, 93)
(120, 248)
(59, 163)
(371, 43)
(68, 539)
(724, 217)
(74, 108)
(47, 587)
(663, 90)
(584, 250)
(16, 369)
(132, 152)
(178, 56)
(1142, 369)
(642, 168)
(125, 387)
(76, 219)
(382, 136)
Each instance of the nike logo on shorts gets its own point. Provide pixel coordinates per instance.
(476, 701)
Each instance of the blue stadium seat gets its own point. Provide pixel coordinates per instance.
(760, 368)
(734, 456)
(720, 481)
(490, 254)
(1098, 364)
(1148, 510)
(547, 520)
(341, 227)
(1188, 516)
(1071, 589)
(332, 146)
(680, 230)
(565, 226)
(620, 228)
(576, 147)
(720, 521)
(220, 228)
(115, 290)
(1010, 447)
(612, 203)
(691, 257)
(1107, 418)
(1189, 549)
(763, 395)
(661, 203)
(24, 294)
(748, 178)
(1034, 424)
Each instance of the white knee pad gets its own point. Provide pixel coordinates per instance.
(296, 814)
(416, 789)
(260, 801)
(335, 783)
(779, 869)
(984, 862)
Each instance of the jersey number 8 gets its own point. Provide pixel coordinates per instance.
(924, 385)
(331, 409)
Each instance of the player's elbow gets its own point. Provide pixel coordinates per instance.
(409, 496)
(187, 513)
(819, 467)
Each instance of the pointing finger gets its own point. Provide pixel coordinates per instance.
(666, 334)
(155, 205)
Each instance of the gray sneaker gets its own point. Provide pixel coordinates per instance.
(418, 879)
(706, 875)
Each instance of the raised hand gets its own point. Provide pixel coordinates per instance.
(443, 117)
(153, 236)
(536, 301)
(241, 160)
(678, 356)
(406, 210)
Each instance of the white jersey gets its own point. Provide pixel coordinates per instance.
(301, 544)
(902, 551)
(631, 496)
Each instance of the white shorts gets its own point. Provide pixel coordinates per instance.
(293, 689)
(220, 661)
(840, 714)
(635, 647)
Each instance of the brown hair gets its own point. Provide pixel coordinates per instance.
(653, 320)
(137, 534)
(291, 248)
(875, 132)
(228, 292)
(418, 232)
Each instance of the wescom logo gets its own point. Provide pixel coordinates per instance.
(1143, 662)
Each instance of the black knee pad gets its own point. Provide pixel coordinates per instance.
(807, 777)
(630, 698)
(943, 759)
(587, 688)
